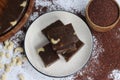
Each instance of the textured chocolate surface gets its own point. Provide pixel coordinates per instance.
(48, 56)
(58, 23)
(51, 26)
(68, 55)
(67, 48)
(10, 11)
(65, 34)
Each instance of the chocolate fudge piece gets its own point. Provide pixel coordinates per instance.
(48, 55)
(62, 36)
(67, 48)
(11, 12)
(68, 55)
(51, 26)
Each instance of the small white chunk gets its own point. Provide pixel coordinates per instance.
(1, 66)
(5, 47)
(24, 58)
(6, 42)
(4, 77)
(7, 67)
(19, 62)
(13, 62)
(0, 59)
(55, 41)
(11, 45)
(2, 54)
(21, 77)
(13, 23)
(18, 49)
(41, 50)
(7, 55)
(23, 4)
(74, 33)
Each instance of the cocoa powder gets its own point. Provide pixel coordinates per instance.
(103, 12)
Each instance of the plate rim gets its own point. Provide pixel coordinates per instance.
(71, 73)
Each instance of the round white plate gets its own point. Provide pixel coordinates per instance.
(35, 39)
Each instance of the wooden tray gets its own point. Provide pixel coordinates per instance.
(20, 24)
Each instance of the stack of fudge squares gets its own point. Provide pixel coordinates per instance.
(62, 40)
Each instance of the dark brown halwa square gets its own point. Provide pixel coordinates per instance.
(62, 36)
(51, 26)
(68, 55)
(48, 55)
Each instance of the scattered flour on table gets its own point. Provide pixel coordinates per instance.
(117, 35)
(73, 6)
(34, 16)
(97, 48)
(115, 75)
(89, 78)
(68, 5)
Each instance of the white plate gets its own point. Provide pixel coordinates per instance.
(35, 39)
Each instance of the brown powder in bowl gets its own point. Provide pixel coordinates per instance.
(103, 12)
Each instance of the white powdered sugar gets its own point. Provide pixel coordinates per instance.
(1, 45)
(42, 3)
(114, 75)
(34, 16)
(73, 6)
(89, 78)
(67, 5)
(97, 48)
(117, 35)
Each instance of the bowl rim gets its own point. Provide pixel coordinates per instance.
(98, 26)
(20, 23)
(71, 73)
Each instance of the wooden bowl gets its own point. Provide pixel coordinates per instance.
(20, 24)
(97, 27)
